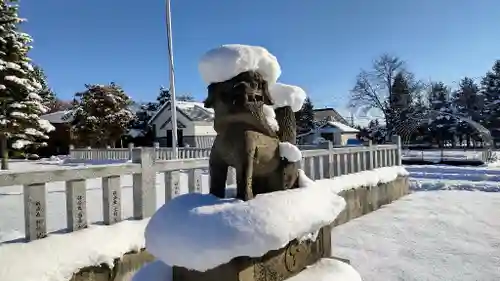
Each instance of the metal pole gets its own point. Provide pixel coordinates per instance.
(173, 105)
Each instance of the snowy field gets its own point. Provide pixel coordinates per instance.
(443, 232)
(436, 155)
(438, 236)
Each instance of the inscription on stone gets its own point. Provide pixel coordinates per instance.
(172, 185)
(176, 185)
(111, 199)
(76, 204)
(39, 220)
(35, 212)
(195, 180)
(115, 206)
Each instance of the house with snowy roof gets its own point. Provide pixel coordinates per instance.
(329, 114)
(194, 125)
(330, 126)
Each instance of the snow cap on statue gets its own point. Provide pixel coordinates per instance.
(287, 95)
(227, 61)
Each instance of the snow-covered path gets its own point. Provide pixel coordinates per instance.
(442, 177)
(439, 235)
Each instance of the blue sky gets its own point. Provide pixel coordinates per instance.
(321, 44)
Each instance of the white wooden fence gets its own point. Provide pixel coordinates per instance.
(162, 153)
(317, 164)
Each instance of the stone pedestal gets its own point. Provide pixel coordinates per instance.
(276, 265)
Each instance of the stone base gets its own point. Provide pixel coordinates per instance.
(276, 265)
(122, 267)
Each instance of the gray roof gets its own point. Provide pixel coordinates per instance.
(329, 114)
(58, 117)
(193, 111)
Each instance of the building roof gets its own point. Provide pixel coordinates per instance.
(341, 127)
(193, 111)
(58, 117)
(328, 113)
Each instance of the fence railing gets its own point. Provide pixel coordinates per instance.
(317, 164)
(162, 153)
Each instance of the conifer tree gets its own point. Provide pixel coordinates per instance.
(101, 115)
(20, 103)
(490, 90)
(304, 118)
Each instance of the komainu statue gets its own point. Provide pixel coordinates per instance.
(249, 133)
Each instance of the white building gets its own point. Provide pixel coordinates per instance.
(194, 125)
(331, 126)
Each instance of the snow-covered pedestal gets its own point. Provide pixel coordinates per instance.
(271, 237)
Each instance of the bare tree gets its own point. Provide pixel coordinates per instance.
(374, 88)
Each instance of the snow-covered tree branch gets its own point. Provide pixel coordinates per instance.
(20, 104)
(101, 115)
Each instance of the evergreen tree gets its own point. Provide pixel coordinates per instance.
(376, 132)
(442, 124)
(163, 96)
(419, 120)
(468, 105)
(490, 90)
(399, 106)
(101, 115)
(20, 103)
(46, 93)
(304, 118)
(143, 115)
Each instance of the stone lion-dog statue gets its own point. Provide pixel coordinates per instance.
(247, 139)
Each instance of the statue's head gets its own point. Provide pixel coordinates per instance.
(239, 99)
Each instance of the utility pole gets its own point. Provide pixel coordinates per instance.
(173, 105)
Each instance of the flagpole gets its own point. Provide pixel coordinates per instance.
(173, 105)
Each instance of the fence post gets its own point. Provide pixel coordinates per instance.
(76, 205)
(328, 163)
(370, 157)
(397, 140)
(71, 149)
(111, 200)
(130, 149)
(156, 146)
(144, 183)
(35, 212)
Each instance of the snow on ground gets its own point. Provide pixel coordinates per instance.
(435, 155)
(443, 177)
(64, 259)
(438, 236)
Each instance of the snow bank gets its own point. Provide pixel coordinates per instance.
(200, 232)
(365, 178)
(327, 270)
(59, 256)
(225, 62)
(287, 95)
(431, 236)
